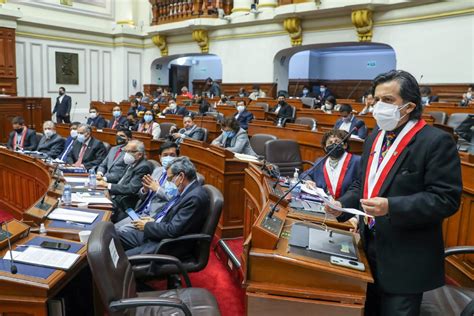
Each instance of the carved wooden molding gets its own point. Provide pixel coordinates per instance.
(160, 42)
(294, 29)
(202, 39)
(362, 20)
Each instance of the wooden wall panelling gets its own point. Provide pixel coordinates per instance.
(7, 61)
(233, 88)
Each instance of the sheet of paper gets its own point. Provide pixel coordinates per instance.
(44, 257)
(87, 198)
(246, 157)
(81, 180)
(330, 202)
(63, 214)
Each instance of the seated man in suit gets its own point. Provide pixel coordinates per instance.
(282, 109)
(95, 119)
(234, 138)
(190, 130)
(112, 168)
(156, 191)
(21, 138)
(141, 98)
(305, 93)
(184, 214)
(348, 121)
(426, 97)
(118, 119)
(124, 193)
(173, 108)
(86, 150)
(70, 140)
(243, 116)
(51, 143)
(135, 108)
(323, 94)
(203, 105)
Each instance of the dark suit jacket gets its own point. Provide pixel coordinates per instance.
(113, 169)
(352, 174)
(122, 122)
(98, 122)
(286, 111)
(196, 133)
(361, 132)
(125, 192)
(323, 96)
(244, 119)
(64, 107)
(423, 188)
(65, 152)
(180, 110)
(53, 147)
(185, 217)
(93, 156)
(30, 142)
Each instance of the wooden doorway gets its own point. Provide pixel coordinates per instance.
(179, 77)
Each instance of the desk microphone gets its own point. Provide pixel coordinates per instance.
(13, 268)
(42, 205)
(305, 174)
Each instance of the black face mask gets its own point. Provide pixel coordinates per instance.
(61, 93)
(281, 102)
(120, 140)
(19, 130)
(337, 153)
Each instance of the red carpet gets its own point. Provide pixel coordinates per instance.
(5, 216)
(218, 280)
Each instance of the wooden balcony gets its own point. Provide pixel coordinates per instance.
(168, 11)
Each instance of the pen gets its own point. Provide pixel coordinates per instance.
(74, 223)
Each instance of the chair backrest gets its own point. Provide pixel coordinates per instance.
(200, 178)
(155, 164)
(456, 119)
(109, 264)
(293, 113)
(285, 154)
(165, 128)
(308, 102)
(311, 122)
(38, 137)
(258, 141)
(439, 117)
(219, 116)
(262, 105)
(107, 146)
(206, 133)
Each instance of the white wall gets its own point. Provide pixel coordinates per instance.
(300, 65)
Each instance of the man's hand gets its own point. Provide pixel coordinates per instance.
(149, 183)
(332, 211)
(310, 184)
(377, 206)
(102, 183)
(99, 176)
(176, 135)
(140, 224)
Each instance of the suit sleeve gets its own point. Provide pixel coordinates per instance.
(156, 131)
(57, 148)
(178, 224)
(99, 154)
(68, 105)
(10, 141)
(103, 165)
(134, 185)
(32, 141)
(440, 193)
(70, 156)
(198, 134)
(239, 145)
(102, 123)
(362, 132)
(218, 140)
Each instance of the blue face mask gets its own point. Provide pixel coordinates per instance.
(171, 189)
(116, 113)
(305, 91)
(229, 134)
(425, 99)
(165, 161)
(81, 138)
(148, 118)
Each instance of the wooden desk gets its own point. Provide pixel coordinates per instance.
(225, 173)
(310, 142)
(34, 110)
(26, 294)
(441, 107)
(210, 123)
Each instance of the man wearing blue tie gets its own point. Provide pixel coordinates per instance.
(184, 214)
(69, 141)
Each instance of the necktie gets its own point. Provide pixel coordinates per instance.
(81, 155)
(166, 208)
(118, 153)
(63, 157)
(115, 123)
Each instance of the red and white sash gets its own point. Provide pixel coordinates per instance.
(22, 140)
(375, 175)
(336, 182)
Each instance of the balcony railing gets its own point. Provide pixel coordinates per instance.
(167, 11)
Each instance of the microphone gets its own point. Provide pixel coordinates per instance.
(42, 205)
(13, 268)
(305, 174)
(354, 89)
(421, 77)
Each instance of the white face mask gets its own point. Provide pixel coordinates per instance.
(172, 106)
(73, 133)
(48, 133)
(128, 159)
(387, 115)
(240, 108)
(93, 115)
(469, 95)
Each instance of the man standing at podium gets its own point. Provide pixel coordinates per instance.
(62, 108)
(410, 182)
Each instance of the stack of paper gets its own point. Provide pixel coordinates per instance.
(44, 257)
(244, 157)
(89, 199)
(73, 180)
(63, 214)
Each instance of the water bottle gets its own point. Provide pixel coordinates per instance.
(67, 199)
(315, 127)
(92, 179)
(297, 190)
(42, 229)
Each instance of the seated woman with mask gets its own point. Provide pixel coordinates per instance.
(234, 138)
(147, 125)
(341, 168)
(329, 105)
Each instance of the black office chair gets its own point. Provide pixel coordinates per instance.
(288, 119)
(206, 134)
(113, 275)
(456, 119)
(449, 300)
(155, 164)
(193, 249)
(200, 178)
(165, 128)
(258, 141)
(285, 154)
